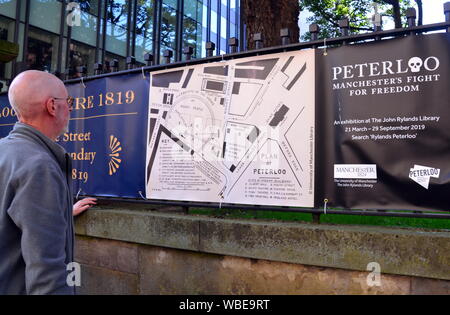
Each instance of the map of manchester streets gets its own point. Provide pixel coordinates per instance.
(239, 131)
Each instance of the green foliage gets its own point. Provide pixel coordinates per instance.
(434, 224)
(359, 12)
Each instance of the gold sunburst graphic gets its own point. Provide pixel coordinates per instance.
(114, 162)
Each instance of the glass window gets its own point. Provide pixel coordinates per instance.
(6, 33)
(46, 14)
(193, 9)
(8, 8)
(168, 27)
(171, 3)
(233, 11)
(232, 30)
(205, 13)
(213, 23)
(223, 27)
(118, 12)
(80, 55)
(42, 50)
(214, 5)
(116, 28)
(144, 29)
(89, 6)
(86, 32)
(191, 30)
(192, 26)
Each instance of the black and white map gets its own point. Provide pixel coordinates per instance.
(240, 131)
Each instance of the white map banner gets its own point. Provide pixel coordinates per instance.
(240, 131)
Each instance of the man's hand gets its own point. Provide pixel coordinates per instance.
(83, 205)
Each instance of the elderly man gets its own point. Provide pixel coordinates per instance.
(36, 225)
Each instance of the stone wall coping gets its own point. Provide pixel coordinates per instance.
(400, 251)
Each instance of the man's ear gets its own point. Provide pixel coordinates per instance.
(51, 107)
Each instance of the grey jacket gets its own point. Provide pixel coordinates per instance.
(36, 223)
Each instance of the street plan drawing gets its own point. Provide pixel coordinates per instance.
(238, 131)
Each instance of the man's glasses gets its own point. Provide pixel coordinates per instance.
(69, 101)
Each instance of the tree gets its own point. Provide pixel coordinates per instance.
(328, 12)
(269, 17)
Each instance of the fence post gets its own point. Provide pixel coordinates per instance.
(131, 61)
(411, 18)
(316, 218)
(210, 47)
(285, 34)
(188, 51)
(148, 59)
(344, 26)
(377, 24)
(258, 39)
(447, 14)
(233, 42)
(82, 70)
(114, 65)
(107, 67)
(98, 68)
(168, 54)
(314, 30)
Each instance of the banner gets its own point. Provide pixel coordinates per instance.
(239, 131)
(362, 126)
(383, 118)
(106, 135)
(7, 116)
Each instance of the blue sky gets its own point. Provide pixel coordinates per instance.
(433, 11)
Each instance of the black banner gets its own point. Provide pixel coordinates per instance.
(383, 118)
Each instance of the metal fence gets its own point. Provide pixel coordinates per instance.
(319, 43)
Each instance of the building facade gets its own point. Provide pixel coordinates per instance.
(60, 36)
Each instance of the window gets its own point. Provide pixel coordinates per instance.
(89, 6)
(192, 26)
(86, 32)
(144, 29)
(168, 27)
(116, 27)
(80, 55)
(45, 14)
(42, 50)
(8, 8)
(6, 33)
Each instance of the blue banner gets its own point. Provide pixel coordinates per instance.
(107, 134)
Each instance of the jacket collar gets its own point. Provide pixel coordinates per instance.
(35, 135)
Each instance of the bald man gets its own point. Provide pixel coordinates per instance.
(36, 210)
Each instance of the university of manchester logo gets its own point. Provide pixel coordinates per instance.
(357, 171)
(421, 174)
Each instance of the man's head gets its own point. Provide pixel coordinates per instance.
(40, 100)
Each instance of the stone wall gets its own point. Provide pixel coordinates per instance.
(136, 251)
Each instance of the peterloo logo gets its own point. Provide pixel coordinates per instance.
(422, 174)
(379, 68)
(386, 77)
